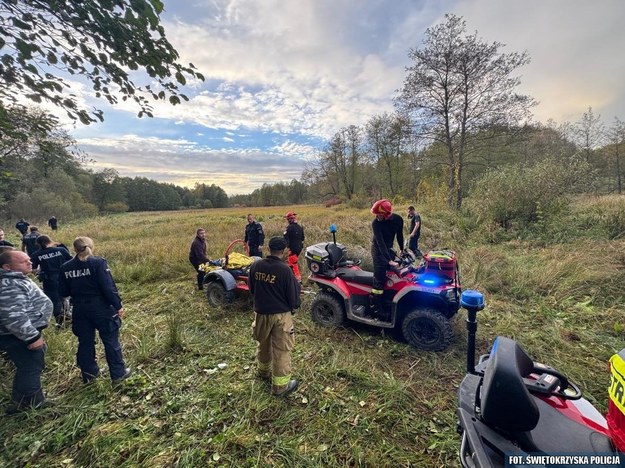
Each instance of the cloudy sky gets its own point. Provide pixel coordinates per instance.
(283, 75)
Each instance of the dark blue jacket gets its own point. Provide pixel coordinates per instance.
(254, 235)
(89, 279)
(30, 241)
(22, 226)
(50, 260)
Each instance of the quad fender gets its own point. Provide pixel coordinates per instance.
(223, 276)
(335, 284)
(424, 298)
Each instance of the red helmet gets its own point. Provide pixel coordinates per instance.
(290, 215)
(382, 207)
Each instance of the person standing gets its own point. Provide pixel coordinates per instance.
(254, 237)
(22, 226)
(29, 241)
(24, 313)
(294, 236)
(386, 227)
(276, 295)
(415, 230)
(52, 222)
(97, 306)
(197, 255)
(3, 241)
(49, 259)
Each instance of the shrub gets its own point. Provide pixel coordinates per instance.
(518, 195)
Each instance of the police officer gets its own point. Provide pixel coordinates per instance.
(276, 295)
(29, 241)
(53, 223)
(49, 259)
(294, 236)
(254, 237)
(97, 306)
(22, 226)
(386, 227)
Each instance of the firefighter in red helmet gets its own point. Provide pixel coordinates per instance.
(386, 227)
(294, 236)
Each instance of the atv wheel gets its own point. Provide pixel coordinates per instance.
(427, 329)
(217, 295)
(326, 310)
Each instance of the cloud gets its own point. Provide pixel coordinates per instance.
(283, 77)
(574, 46)
(184, 162)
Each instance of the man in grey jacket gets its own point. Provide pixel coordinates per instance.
(24, 312)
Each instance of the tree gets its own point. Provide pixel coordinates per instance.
(43, 41)
(108, 189)
(589, 133)
(386, 137)
(616, 135)
(457, 85)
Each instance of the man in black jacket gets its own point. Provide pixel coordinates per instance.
(294, 236)
(276, 295)
(254, 237)
(386, 227)
(197, 255)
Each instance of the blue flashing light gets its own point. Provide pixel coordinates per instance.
(471, 299)
(430, 280)
(333, 228)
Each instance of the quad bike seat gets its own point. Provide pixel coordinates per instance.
(507, 405)
(355, 276)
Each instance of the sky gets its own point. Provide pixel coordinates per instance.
(282, 76)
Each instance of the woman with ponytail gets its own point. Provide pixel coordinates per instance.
(97, 305)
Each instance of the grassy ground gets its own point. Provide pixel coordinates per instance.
(365, 399)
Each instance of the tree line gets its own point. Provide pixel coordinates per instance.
(42, 174)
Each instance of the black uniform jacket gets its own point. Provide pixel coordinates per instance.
(274, 286)
(89, 279)
(254, 235)
(384, 233)
(294, 236)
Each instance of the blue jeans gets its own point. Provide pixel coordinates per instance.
(87, 318)
(29, 364)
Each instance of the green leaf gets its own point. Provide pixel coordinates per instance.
(34, 97)
(174, 100)
(52, 58)
(180, 78)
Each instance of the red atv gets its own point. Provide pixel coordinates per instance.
(418, 301)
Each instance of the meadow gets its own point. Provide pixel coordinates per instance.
(365, 398)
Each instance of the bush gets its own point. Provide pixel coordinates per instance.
(515, 196)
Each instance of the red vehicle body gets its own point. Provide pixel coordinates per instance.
(418, 301)
(510, 407)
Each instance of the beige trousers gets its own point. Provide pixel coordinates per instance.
(276, 339)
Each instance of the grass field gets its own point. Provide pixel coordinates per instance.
(365, 398)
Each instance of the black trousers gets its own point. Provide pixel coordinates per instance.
(200, 275)
(29, 364)
(51, 289)
(254, 252)
(87, 318)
